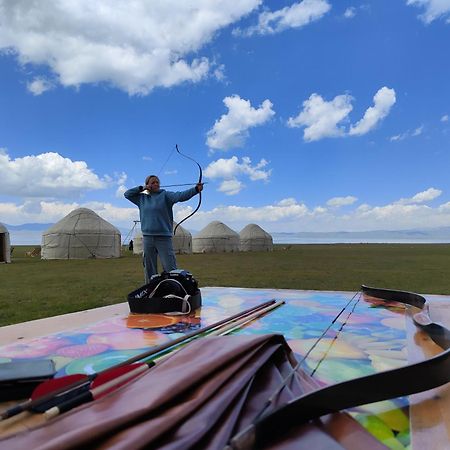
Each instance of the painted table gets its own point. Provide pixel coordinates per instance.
(350, 336)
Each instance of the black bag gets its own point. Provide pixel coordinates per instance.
(174, 292)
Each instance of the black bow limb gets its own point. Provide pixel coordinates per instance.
(200, 177)
(407, 380)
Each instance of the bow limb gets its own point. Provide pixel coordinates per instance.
(406, 380)
(200, 177)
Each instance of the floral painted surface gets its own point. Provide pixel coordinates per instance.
(337, 336)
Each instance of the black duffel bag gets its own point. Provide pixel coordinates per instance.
(174, 292)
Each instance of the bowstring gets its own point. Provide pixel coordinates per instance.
(283, 383)
(336, 335)
(166, 161)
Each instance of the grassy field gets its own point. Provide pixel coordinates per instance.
(32, 288)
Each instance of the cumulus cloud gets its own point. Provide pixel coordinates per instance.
(421, 197)
(444, 118)
(350, 12)
(121, 179)
(231, 130)
(434, 9)
(231, 187)
(40, 85)
(47, 175)
(229, 170)
(134, 46)
(383, 100)
(288, 214)
(337, 202)
(321, 118)
(296, 15)
(290, 210)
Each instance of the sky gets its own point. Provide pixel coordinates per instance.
(313, 115)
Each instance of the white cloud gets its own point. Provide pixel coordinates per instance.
(350, 12)
(40, 85)
(291, 211)
(384, 99)
(407, 134)
(434, 9)
(47, 175)
(297, 15)
(134, 46)
(231, 130)
(219, 73)
(444, 118)
(288, 215)
(231, 187)
(120, 191)
(421, 197)
(337, 202)
(121, 178)
(321, 118)
(230, 169)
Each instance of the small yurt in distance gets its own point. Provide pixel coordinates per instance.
(253, 238)
(182, 240)
(138, 243)
(5, 245)
(216, 237)
(81, 234)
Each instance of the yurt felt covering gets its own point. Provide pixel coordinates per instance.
(81, 234)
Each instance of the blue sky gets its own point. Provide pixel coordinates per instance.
(316, 115)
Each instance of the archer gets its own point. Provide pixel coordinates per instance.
(156, 215)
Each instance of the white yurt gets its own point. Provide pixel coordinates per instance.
(182, 240)
(253, 238)
(216, 238)
(138, 243)
(5, 245)
(81, 234)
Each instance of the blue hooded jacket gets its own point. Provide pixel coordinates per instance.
(155, 208)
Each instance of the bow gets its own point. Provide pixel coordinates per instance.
(199, 194)
(405, 380)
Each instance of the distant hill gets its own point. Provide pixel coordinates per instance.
(29, 227)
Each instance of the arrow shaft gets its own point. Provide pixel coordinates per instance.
(81, 384)
(110, 385)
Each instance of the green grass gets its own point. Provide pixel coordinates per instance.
(31, 288)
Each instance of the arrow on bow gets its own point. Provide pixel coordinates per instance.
(200, 177)
(101, 387)
(65, 389)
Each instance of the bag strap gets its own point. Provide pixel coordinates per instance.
(163, 281)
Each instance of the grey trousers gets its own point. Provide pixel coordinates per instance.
(155, 246)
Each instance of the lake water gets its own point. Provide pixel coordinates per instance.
(34, 238)
(339, 240)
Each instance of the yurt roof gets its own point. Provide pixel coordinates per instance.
(82, 220)
(216, 229)
(253, 230)
(180, 230)
(3, 229)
